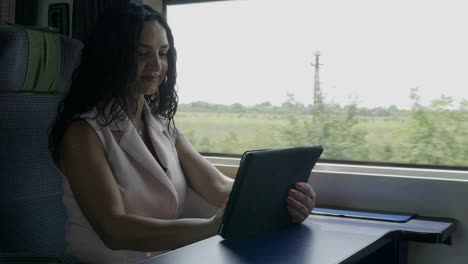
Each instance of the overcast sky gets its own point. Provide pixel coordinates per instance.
(252, 51)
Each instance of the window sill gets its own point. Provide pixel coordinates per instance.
(229, 166)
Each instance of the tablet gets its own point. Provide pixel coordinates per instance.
(257, 202)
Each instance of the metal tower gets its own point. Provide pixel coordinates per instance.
(318, 100)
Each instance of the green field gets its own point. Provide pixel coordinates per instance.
(229, 132)
(254, 131)
(378, 139)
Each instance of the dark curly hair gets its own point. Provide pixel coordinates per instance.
(107, 73)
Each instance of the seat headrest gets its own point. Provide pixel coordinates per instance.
(36, 61)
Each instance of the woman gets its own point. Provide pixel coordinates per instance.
(126, 166)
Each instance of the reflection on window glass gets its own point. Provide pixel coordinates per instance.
(374, 81)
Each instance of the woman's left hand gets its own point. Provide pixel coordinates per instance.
(301, 200)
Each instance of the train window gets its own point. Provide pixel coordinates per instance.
(371, 81)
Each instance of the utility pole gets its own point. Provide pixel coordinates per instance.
(318, 100)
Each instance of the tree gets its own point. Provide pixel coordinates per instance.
(237, 108)
(334, 129)
(434, 134)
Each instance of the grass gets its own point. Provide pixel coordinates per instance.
(232, 133)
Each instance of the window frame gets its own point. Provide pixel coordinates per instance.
(181, 2)
(230, 164)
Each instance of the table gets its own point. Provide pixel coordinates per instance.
(320, 239)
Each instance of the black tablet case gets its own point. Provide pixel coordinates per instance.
(257, 202)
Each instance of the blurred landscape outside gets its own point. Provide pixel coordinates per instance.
(391, 91)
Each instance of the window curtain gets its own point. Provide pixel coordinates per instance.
(7, 11)
(85, 13)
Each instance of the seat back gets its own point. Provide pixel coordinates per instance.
(35, 71)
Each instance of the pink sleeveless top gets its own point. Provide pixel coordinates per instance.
(145, 188)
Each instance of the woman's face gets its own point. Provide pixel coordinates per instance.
(152, 58)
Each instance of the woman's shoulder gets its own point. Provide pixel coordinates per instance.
(82, 131)
(79, 130)
(78, 136)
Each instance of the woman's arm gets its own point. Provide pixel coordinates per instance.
(83, 161)
(202, 176)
